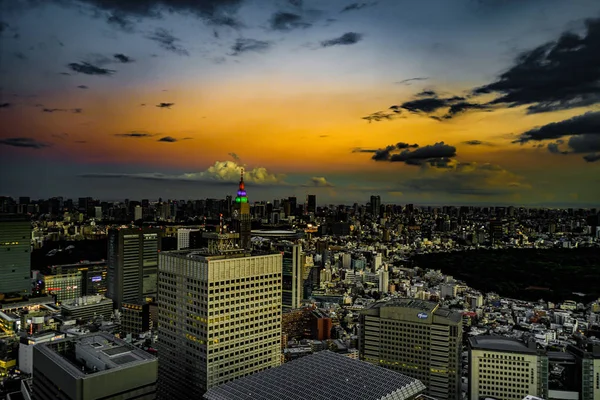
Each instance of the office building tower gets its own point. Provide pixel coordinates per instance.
(138, 213)
(183, 237)
(506, 368)
(219, 316)
(311, 203)
(133, 264)
(375, 206)
(242, 222)
(15, 254)
(63, 286)
(26, 348)
(587, 361)
(292, 278)
(324, 375)
(416, 338)
(384, 280)
(92, 367)
(93, 275)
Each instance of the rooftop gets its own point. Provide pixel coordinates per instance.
(92, 354)
(202, 254)
(500, 343)
(344, 378)
(419, 305)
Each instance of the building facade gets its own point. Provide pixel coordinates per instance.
(133, 264)
(292, 278)
(15, 254)
(506, 368)
(219, 317)
(241, 218)
(416, 338)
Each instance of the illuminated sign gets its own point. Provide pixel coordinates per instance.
(422, 315)
(96, 278)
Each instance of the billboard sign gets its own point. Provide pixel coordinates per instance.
(422, 315)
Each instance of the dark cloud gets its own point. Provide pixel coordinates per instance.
(244, 45)
(121, 22)
(554, 149)
(588, 123)
(24, 142)
(423, 154)
(20, 55)
(137, 135)
(167, 41)
(167, 139)
(356, 6)
(346, 39)
(382, 116)
(385, 154)
(5, 105)
(409, 81)
(477, 143)
(429, 102)
(426, 93)
(284, 21)
(123, 58)
(426, 105)
(586, 143)
(164, 105)
(82, 87)
(53, 110)
(558, 75)
(592, 157)
(89, 69)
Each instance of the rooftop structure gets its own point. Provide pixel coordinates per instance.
(500, 343)
(344, 378)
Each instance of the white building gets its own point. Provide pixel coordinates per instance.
(219, 317)
(26, 349)
(183, 237)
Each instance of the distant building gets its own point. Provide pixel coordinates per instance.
(375, 206)
(133, 264)
(324, 375)
(311, 203)
(242, 220)
(26, 348)
(183, 237)
(416, 338)
(292, 278)
(87, 308)
(506, 368)
(91, 367)
(15, 254)
(219, 316)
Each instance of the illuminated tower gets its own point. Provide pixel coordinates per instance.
(241, 214)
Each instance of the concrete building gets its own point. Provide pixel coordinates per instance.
(506, 368)
(219, 316)
(15, 254)
(292, 278)
(183, 237)
(324, 375)
(87, 308)
(65, 286)
(132, 264)
(26, 348)
(93, 277)
(97, 366)
(416, 338)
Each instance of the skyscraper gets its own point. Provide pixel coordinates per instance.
(242, 222)
(132, 264)
(416, 338)
(292, 279)
(375, 206)
(311, 203)
(15, 254)
(219, 316)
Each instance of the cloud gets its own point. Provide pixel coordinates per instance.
(318, 181)
(426, 154)
(586, 143)
(385, 154)
(90, 69)
(285, 21)
(225, 172)
(592, 157)
(5, 105)
(24, 142)
(244, 45)
(121, 22)
(82, 87)
(167, 41)
(356, 6)
(235, 157)
(470, 179)
(402, 145)
(123, 58)
(165, 105)
(346, 39)
(588, 123)
(410, 81)
(544, 79)
(168, 139)
(382, 116)
(53, 110)
(137, 135)
(477, 143)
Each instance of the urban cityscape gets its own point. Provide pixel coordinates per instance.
(200, 200)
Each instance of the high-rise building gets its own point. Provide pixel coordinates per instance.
(133, 264)
(375, 206)
(506, 368)
(242, 222)
(90, 367)
(311, 203)
(183, 237)
(292, 278)
(416, 338)
(219, 316)
(15, 254)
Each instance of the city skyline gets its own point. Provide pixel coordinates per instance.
(470, 103)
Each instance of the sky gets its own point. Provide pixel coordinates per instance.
(475, 102)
